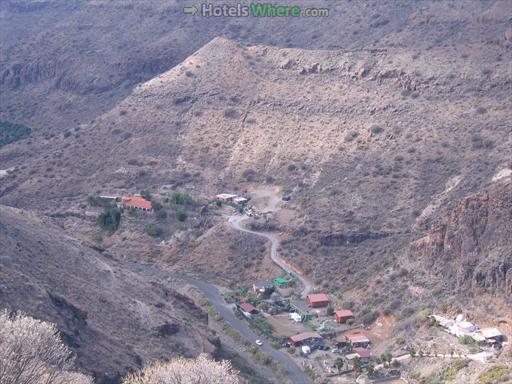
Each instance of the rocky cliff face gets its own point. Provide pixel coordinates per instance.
(471, 246)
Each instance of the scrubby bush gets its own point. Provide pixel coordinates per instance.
(154, 230)
(31, 352)
(181, 216)
(375, 129)
(198, 371)
(494, 375)
(110, 219)
(179, 198)
(9, 132)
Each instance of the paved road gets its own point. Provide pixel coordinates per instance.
(292, 370)
(236, 222)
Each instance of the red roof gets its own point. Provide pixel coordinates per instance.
(362, 352)
(247, 307)
(356, 337)
(318, 298)
(305, 336)
(344, 313)
(137, 202)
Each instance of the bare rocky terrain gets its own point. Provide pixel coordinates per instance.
(388, 123)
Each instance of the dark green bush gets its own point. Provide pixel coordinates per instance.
(10, 132)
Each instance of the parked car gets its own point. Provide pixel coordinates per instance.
(259, 342)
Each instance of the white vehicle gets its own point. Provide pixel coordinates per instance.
(259, 342)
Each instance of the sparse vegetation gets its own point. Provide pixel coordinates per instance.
(495, 375)
(153, 230)
(181, 216)
(110, 219)
(179, 198)
(10, 132)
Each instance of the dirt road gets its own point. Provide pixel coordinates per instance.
(267, 200)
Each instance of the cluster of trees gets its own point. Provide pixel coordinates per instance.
(31, 352)
(10, 132)
(110, 219)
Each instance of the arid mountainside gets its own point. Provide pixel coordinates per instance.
(388, 125)
(371, 143)
(111, 317)
(469, 248)
(64, 62)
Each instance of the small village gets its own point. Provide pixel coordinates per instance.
(318, 330)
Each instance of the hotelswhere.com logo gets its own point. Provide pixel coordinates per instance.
(260, 9)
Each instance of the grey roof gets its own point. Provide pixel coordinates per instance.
(263, 283)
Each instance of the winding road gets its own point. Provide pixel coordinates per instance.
(236, 223)
(211, 292)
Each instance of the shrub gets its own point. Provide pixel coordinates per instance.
(181, 216)
(179, 198)
(10, 132)
(31, 352)
(375, 129)
(495, 374)
(153, 230)
(369, 317)
(161, 214)
(199, 371)
(466, 340)
(230, 113)
(110, 219)
(145, 194)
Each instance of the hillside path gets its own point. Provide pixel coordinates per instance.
(268, 200)
(236, 222)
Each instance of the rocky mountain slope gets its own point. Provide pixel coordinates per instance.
(469, 248)
(114, 319)
(63, 62)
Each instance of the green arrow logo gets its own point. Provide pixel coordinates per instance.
(190, 10)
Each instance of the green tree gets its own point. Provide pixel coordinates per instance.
(179, 198)
(357, 365)
(338, 364)
(145, 194)
(110, 219)
(370, 369)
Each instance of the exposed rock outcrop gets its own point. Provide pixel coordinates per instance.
(471, 246)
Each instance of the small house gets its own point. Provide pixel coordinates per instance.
(343, 315)
(225, 197)
(248, 310)
(301, 307)
(263, 288)
(492, 335)
(357, 340)
(317, 300)
(364, 354)
(137, 202)
(304, 338)
(240, 200)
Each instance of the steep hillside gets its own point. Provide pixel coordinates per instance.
(113, 319)
(371, 144)
(64, 62)
(469, 248)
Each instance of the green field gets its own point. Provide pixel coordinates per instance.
(10, 132)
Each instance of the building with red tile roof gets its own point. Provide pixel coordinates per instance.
(305, 337)
(343, 315)
(317, 300)
(137, 202)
